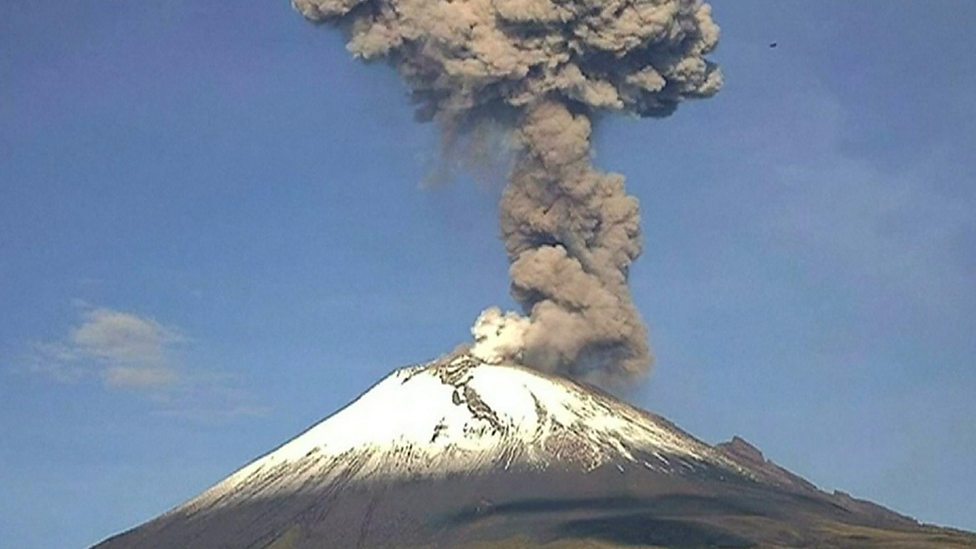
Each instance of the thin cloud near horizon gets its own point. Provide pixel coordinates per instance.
(133, 352)
(125, 350)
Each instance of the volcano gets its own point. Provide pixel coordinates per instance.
(463, 453)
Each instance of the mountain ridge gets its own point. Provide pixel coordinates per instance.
(459, 452)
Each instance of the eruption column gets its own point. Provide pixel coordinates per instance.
(571, 231)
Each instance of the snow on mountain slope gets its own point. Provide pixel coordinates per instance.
(464, 453)
(461, 415)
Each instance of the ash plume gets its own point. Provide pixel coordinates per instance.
(570, 230)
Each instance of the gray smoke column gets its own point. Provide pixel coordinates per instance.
(570, 230)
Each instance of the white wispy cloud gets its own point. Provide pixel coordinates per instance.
(122, 337)
(134, 352)
(137, 376)
(124, 349)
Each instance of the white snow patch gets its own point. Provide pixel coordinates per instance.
(460, 416)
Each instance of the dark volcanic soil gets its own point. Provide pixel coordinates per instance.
(606, 507)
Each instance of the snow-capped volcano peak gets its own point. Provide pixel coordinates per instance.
(461, 452)
(462, 415)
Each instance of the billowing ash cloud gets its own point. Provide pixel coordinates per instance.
(571, 231)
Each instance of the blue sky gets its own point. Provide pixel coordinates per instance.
(213, 234)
